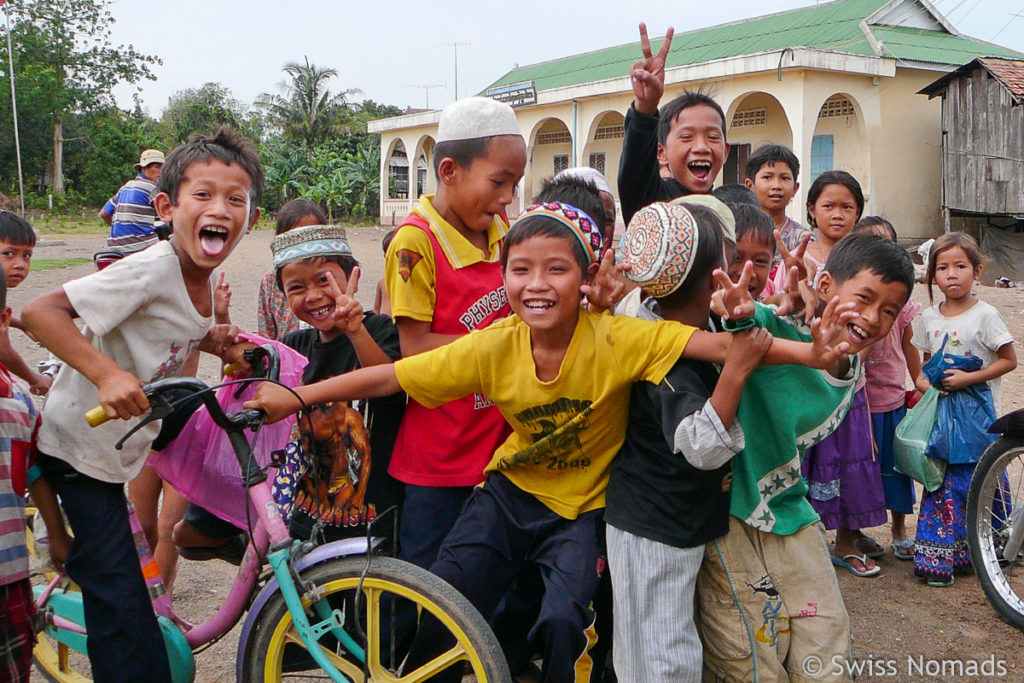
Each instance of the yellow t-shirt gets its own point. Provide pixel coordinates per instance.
(567, 431)
(409, 265)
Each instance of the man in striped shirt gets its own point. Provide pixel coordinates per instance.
(130, 213)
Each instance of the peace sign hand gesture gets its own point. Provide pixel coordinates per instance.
(348, 314)
(647, 75)
(733, 300)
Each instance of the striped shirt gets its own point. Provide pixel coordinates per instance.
(132, 213)
(19, 423)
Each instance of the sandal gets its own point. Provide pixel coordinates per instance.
(863, 573)
(231, 552)
(903, 550)
(869, 546)
(941, 583)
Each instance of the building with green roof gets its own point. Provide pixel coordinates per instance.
(835, 81)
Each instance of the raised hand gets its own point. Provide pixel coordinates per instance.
(608, 286)
(348, 314)
(733, 300)
(221, 300)
(795, 258)
(829, 331)
(647, 75)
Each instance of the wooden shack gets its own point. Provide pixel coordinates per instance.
(982, 141)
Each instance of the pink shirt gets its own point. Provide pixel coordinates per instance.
(886, 367)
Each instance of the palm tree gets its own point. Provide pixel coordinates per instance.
(306, 110)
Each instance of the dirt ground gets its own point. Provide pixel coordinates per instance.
(899, 624)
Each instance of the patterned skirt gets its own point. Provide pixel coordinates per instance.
(941, 543)
(843, 474)
(16, 635)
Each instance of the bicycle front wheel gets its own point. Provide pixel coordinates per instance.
(995, 518)
(371, 605)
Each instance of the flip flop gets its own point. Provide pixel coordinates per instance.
(874, 571)
(869, 546)
(903, 550)
(940, 583)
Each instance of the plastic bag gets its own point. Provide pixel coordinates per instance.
(201, 464)
(910, 443)
(961, 433)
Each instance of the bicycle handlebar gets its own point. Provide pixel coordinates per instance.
(266, 363)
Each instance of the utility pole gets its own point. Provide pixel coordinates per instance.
(426, 90)
(14, 110)
(455, 47)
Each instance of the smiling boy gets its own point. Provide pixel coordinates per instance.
(687, 135)
(444, 281)
(768, 595)
(143, 316)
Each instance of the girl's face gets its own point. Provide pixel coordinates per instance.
(543, 281)
(955, 274)
(835, 212)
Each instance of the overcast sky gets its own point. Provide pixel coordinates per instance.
(386, 47)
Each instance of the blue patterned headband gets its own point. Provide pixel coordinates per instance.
(308, 242)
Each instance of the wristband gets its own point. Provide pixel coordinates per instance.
(731, 325)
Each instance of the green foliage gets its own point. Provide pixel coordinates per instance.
(54, 263)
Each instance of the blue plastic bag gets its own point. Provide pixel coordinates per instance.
(963, 417)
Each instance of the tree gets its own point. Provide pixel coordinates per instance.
(306, 110)
(81, 64)
(200, 110)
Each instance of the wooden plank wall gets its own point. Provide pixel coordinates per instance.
(983, 161)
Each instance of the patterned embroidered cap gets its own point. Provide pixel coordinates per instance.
(309, 241)
(720, 208)
(579, 223)
(476, 117)
(659, 246)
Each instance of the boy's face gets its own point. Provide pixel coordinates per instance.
(749, 248)
(16, 260)
(543, 281)
(695, 148)
(211, 213)
(774, 186)
(310, 295)
(479, 192)
(877, 305)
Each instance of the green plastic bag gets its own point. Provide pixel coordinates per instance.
(911, 443)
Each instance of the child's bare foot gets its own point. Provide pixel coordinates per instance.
(847, 554)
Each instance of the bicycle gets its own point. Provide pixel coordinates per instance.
(319, 610)
(995, 519)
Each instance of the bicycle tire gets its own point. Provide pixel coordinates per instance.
(274, 642)
(997, 488)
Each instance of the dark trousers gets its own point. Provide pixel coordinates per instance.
(504, 531)
(428, 514)
(124, 639)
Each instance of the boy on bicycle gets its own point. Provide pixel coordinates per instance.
(143, 317)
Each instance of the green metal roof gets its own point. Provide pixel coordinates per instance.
(831, 26)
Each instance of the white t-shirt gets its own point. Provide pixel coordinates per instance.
(138, 313)
(978, 331)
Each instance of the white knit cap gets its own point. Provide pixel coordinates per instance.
(476, 117)
(588, 173)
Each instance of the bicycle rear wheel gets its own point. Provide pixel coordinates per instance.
(275, 651)
(995, 518)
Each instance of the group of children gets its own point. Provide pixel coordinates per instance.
(685, 445)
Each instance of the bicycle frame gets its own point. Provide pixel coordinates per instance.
(270, 539)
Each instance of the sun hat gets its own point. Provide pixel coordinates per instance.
(476, 117)
(309, 241)
(720, 208)
(581, 225)
(149, 156)
(659, 246)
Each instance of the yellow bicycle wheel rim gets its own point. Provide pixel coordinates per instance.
(374, 588)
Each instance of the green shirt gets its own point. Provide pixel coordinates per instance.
(785, 409)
